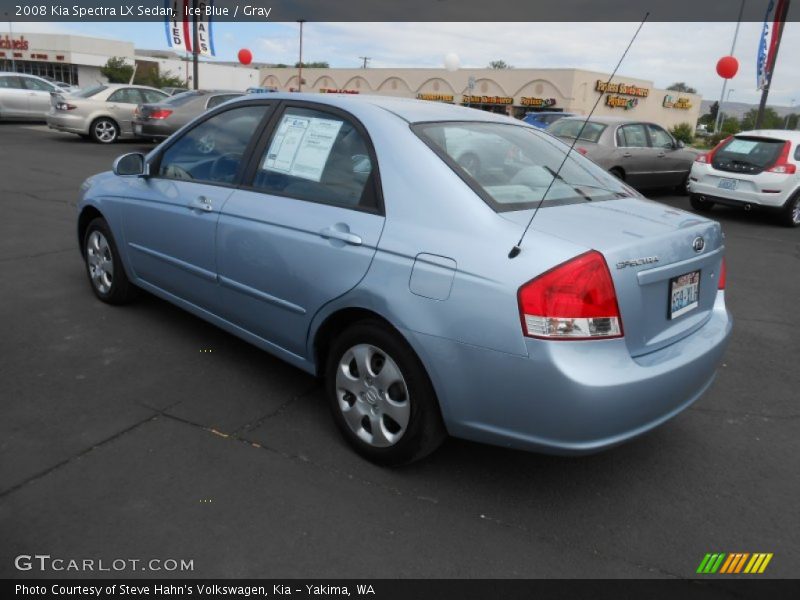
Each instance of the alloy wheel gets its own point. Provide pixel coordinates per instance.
(796, 212)
(105, 131)
(372, 395)
(100, 262)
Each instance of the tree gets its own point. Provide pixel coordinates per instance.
(313, 65)
(680, 86)
(499, 64)
(116, 70)
(683, 132)
(771, 119)
(159, 80)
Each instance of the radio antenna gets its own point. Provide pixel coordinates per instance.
(518, 247)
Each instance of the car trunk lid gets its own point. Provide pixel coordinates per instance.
(647, 245)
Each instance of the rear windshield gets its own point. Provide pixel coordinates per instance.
(748, 154)
(570, 128)
(90, 91)
(182, 98)
(511, 166)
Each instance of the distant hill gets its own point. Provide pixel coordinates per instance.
(739, 109)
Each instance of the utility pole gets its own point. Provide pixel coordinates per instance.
(780, 19)
(11, 35)
(788, 115)
(717, 124)
(195, 49)
(300, 63)
(366, 59)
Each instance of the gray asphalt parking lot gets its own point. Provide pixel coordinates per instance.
(143, 432)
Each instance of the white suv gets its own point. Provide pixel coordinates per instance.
(752, 168)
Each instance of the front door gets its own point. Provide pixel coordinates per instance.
(171, 217)
(671, 164)
(121, 104)
(38, 96)
(305, 231)
(14, 101)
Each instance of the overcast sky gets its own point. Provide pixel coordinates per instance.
(664, 52)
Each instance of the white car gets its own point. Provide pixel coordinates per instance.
(753, 168)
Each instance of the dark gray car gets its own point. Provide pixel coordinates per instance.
(645, 155)
(159, 121)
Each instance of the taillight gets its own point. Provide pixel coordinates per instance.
(782, 164)
(582, 150)
(161, 113)
(65, 106)
(575, 300)
(709, 156)
(723, 274)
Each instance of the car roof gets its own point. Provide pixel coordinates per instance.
(408, 109)
(780, 134)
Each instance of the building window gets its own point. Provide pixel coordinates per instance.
(55, 71)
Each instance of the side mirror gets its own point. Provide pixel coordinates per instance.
(130, 165)
(679, 144)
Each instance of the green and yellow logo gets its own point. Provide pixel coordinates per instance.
(734, 563)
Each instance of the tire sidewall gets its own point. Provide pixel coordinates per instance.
(119, 285)
(425, 430)
(93, 135)
(787, 211)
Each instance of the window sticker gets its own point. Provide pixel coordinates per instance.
(741, 146)
(301, 146)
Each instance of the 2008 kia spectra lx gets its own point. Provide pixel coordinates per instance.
(366, 240)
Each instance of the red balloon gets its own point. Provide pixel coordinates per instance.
(727, 67)
(245, 56)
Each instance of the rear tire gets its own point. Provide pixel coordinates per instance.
(790, 213)
(104, 131)
(699, 204)
(381, 397)
(103, 265)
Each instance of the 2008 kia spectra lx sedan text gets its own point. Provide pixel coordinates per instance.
(342, 235)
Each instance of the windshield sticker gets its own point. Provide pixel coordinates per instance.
(741, 146)
(301, 146)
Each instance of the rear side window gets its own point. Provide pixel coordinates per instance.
(12, 83)
(319, 157)
(91, 91)
(212, 151)
(632, 136)
(748, 154)
(571, 127)
(39, 86)
(126, 96)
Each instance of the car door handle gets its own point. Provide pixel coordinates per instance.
(338, 234)
(627, 155)
(661, 154)
(202, 204)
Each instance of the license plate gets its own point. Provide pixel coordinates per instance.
(684, 293)
(728, 184)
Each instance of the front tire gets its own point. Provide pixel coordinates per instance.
(381, 397)
(104, 266)
(104, 131)
(790, 214)
(699, 204)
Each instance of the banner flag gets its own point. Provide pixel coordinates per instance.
(180, 28)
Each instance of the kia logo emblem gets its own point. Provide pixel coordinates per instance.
(698, 244)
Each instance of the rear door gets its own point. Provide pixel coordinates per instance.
(635, 155)
(306, 229)
(14, 100)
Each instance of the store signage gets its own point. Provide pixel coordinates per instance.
(538, 102)
(621, 102)
(7, 43)
(487, 100)
(624, 89)
(336, 91)
(681, 103)
(436, 97)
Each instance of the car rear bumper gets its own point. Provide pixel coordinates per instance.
(152, 129)
(570, 397)
(765, 189)
(67, 122)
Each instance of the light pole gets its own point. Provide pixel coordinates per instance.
(719, 111)
(300, 63)
(718, 124)
(11, 35)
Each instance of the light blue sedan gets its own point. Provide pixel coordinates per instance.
(342, 235)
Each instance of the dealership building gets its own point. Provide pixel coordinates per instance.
(77, 60)
(512, 91)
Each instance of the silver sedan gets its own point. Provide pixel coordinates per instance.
(25, 97)
(645, 155)
(102, 113)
